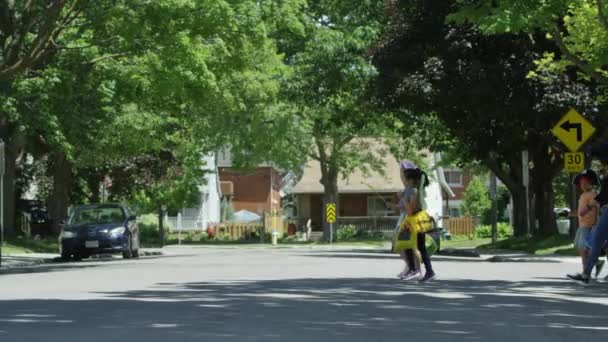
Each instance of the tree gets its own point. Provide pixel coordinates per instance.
(111, 90)
(325, 91)
(476, 202)
(477, 86)
(578, 28)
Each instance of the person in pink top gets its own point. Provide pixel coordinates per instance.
(588, 211)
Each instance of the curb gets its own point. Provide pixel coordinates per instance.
(499, 259)
(28, 264)
(463, 253)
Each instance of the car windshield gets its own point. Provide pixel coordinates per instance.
(102, 215)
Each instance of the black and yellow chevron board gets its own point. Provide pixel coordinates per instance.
(331, 212)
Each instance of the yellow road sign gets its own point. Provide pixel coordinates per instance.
(331, 212)
(574, 162)
(573, 130)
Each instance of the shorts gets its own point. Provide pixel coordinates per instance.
(590, 237)
(581, 239)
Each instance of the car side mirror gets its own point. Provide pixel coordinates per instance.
(132, 218)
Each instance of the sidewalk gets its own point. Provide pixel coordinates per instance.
(26, 260)
(37, 259)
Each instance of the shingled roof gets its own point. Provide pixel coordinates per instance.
(357, 182)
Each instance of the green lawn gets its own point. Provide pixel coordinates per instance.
(25, 246)
(464, 242)
(557, 244)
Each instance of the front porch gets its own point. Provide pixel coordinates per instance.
(372, 212)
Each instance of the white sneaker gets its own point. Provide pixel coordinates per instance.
(413, 276)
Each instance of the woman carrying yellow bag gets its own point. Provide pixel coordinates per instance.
(412, 232)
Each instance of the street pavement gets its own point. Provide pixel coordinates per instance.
(254, 294)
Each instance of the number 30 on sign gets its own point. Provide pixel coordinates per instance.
(574, 162)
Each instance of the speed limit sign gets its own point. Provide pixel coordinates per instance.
(574, 162)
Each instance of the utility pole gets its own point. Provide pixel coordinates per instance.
(493, 197)
(525, 161)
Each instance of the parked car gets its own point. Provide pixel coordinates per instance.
(99, 229)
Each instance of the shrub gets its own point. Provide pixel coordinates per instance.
(367, 235)
(149, 234)
(484, 232)
(476, 200)
(346, 233)
(189, 237)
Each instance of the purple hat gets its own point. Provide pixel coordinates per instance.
(408, 165)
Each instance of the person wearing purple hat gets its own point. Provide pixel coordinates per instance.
(600, 233)
(406, 167)
(412, 202)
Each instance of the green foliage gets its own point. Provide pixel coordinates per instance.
(479, 88)
(346, 233)
(503, 199)
(476, 200)
(149, 234)
(351, 233)
(484, 232)
(535, 245)
(578, 27)
(189, 238)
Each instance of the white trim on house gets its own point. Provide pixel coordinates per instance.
(441, 177)
(454, 184)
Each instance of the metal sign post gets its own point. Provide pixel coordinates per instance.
(330, 216)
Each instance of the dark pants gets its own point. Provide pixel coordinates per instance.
(600, 236)
(426, 258)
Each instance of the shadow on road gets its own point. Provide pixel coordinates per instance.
(319, 310)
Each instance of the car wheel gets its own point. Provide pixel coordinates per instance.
(128, 253)
(66, 257)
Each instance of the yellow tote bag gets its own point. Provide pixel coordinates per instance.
(407, 238)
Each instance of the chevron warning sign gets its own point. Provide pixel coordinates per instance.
(331, 212)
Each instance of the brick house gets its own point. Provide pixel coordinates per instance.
(362, 195)
(257, 190)
(458, 180)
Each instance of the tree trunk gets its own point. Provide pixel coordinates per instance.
(59, 200)
(544, 205)
(520, 218)
(9, 198)
(513, 181)
(329, 180)
(161, 226)
(543, 173)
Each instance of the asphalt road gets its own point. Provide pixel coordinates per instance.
(218, 294)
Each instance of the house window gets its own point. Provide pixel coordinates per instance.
(454, 212)
(454, 178)
(380, 206)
